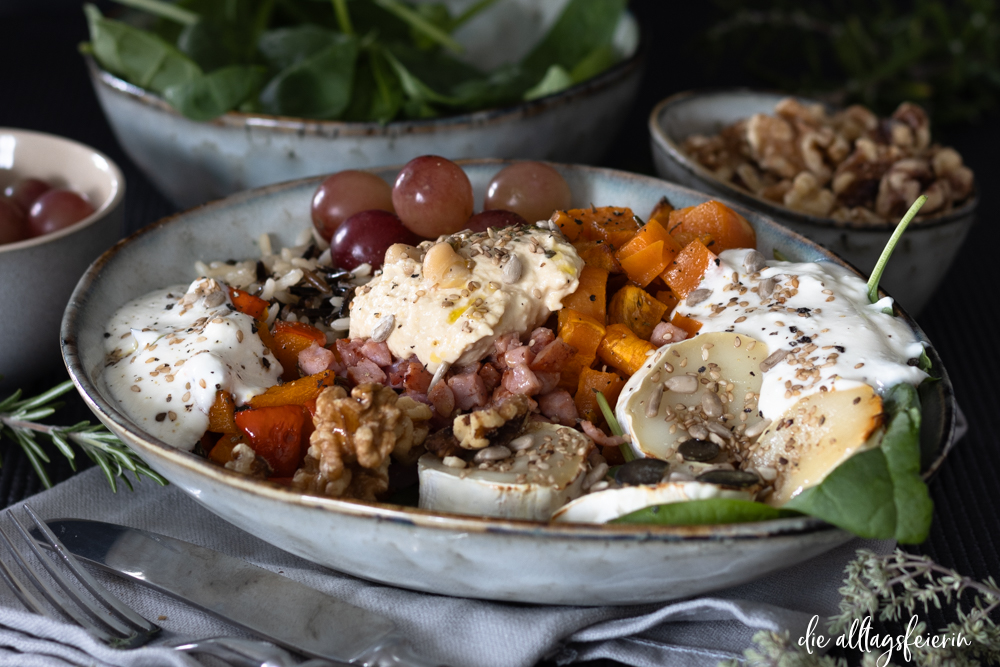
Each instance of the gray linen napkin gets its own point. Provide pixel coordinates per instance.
(455, 631)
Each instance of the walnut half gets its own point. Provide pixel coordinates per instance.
(349, 452)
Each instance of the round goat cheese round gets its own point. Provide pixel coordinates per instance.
(449, 304)
(530, 483)
(169, 353)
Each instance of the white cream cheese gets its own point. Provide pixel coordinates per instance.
(457, 321)
(169, 352)
(820, 315)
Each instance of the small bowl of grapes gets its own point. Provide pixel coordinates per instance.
(61, 206)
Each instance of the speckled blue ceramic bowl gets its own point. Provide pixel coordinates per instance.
(441, 553)
(193, 162)
(919, 262)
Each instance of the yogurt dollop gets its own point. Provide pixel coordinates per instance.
(816, 314)
(169, 352)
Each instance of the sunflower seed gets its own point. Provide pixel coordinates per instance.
(384, 328)
(512, 270)
(754, 262)
(697, 296)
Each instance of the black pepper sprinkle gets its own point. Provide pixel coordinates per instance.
(804, 310)
(170, 306)
(702, 369)
(839, 348)
(107, 335)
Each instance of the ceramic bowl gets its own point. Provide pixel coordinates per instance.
(38, 275)
(440, 553)
(919, 262)
(194, 162)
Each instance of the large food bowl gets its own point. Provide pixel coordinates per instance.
(441, 553)
(38, 275)
(194, 162)
(920, 261)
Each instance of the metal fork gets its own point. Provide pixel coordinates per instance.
(116, 624)
(113, 623)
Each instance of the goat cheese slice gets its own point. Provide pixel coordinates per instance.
(547, 472)
(607, 505)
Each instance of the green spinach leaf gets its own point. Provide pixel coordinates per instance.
(901, 446)
(555, 80)
(710, 511)
(211, 95)
(137, 56)
(282, 48)
(318, 86)
(583, 26)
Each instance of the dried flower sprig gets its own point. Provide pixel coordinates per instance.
(892, 586)
(19, 420)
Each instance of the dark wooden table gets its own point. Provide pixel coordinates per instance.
(44, 86)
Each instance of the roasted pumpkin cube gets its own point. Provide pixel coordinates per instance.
(714, 224)
(636, 309)
(687, 269)
(590, 298)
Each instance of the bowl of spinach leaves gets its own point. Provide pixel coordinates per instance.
(209, 98)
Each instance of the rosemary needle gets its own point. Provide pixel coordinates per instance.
(19, 421)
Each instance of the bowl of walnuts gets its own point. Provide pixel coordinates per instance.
(842, 177)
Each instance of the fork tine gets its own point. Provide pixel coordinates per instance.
(124, 613)
(55, 598)
(22, 592)
(94, 612)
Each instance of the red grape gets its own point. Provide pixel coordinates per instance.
(433, 196)
(345, 193)
(494, 218)
(13, 224)
(26, 191)
(533, 190)
(364, 237)
(57, 209)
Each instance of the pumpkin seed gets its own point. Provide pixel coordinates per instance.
(642, 471)
(698, 450)
(737, 478)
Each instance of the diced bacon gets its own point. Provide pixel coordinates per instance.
(442, 398)
(469, 389)
(315, 359)
(520, 379)
(376, 352)
(500, 394)
(560, 406)
(348, 349)
(518, 355)
(491, 376)
(553, 356)
(598, 436)
(539, 338)
(665, 332)
(500, 347)
(366, 371)
(416, 378)
(397, 373)
(549, 381)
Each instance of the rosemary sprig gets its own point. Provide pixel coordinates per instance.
(19, 420)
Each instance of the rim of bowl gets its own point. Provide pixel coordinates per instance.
(381, 511)
(117, 193)
(338, 128)
(665, 142)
